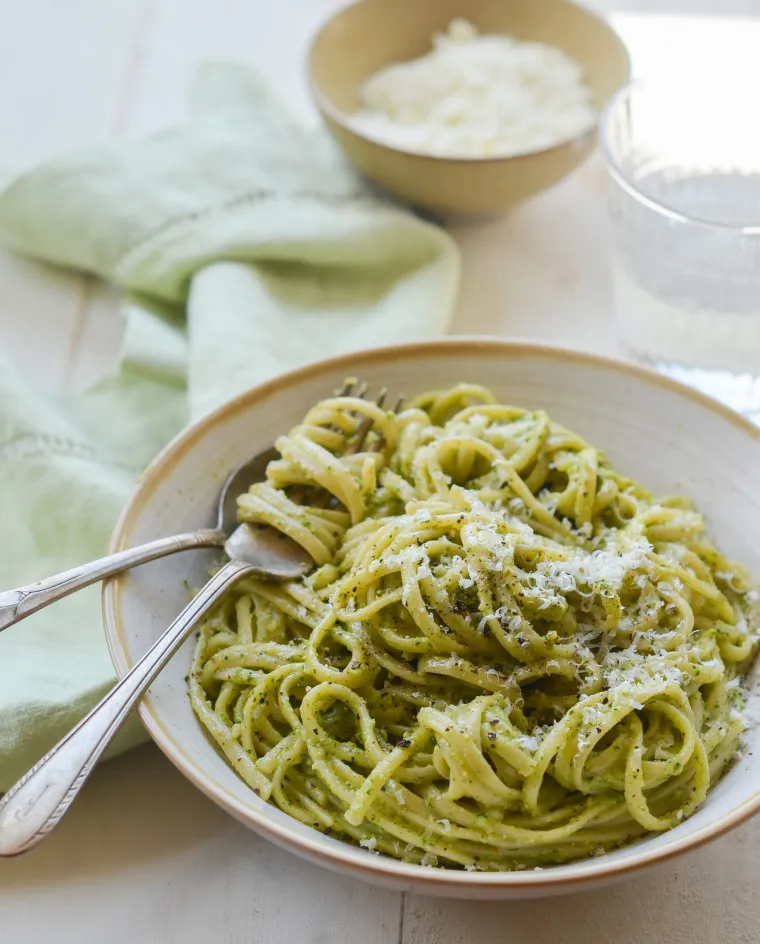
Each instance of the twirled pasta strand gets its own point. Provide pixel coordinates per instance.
(508, 654)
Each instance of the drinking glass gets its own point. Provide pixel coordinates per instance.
(683, 185)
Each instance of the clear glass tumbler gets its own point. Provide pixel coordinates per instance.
(683, 187)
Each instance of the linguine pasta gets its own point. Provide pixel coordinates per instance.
(508, 654)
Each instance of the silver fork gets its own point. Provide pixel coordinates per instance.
(32, 808)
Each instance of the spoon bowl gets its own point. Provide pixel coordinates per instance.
(237, 483)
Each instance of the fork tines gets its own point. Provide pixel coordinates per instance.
(366, 424)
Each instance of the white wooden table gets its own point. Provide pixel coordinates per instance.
(143, 857)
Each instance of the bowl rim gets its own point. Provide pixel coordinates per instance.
(333, 853)
(343, 119)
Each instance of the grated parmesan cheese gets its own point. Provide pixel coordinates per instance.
(528, 742)
(477, 96)
(608, 566)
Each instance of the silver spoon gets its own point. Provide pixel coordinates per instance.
(17, 604)
(32, 808)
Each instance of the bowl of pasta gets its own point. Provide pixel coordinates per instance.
(523, 660)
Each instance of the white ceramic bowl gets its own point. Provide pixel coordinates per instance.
(665, 435)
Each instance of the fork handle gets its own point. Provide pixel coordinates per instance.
(32, 808)
(23, 601)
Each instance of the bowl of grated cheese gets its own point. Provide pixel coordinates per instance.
(455, 114)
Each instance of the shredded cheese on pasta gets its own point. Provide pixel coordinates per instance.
(508, 654)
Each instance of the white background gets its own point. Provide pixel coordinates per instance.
(143, 857)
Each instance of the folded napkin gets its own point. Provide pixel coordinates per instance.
(244, 246)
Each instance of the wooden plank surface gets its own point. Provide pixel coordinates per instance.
(63, 68)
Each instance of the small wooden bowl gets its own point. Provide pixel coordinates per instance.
(361, 39)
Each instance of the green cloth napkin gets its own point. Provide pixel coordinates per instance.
(245, 246)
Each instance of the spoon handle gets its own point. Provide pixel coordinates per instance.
(32, 807)
(23, 601)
